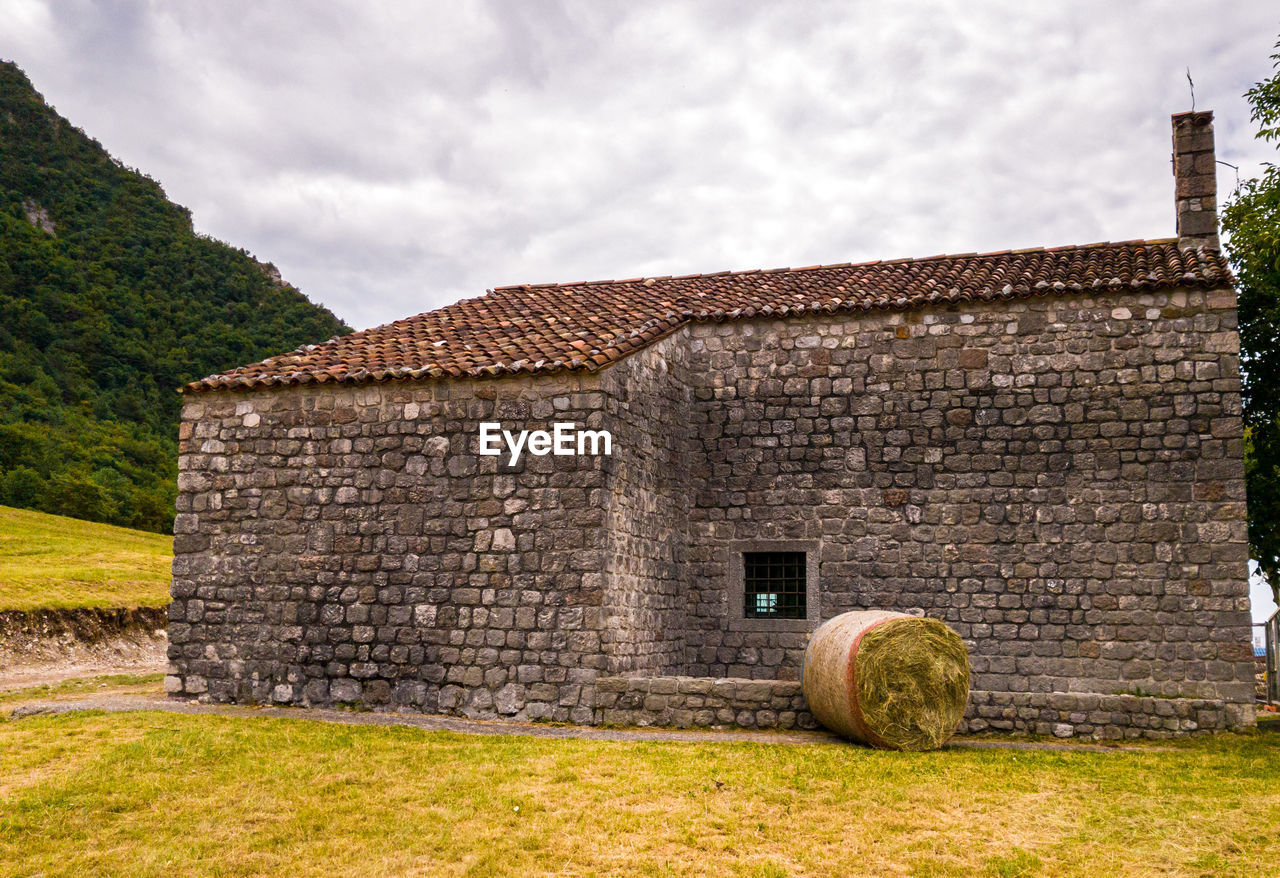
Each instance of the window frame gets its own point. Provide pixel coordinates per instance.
(738, 619)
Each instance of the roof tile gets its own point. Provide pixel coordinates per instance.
(589, 325)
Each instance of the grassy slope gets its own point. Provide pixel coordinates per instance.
(51, 562)
(159, 794)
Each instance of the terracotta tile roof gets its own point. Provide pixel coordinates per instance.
(549, 327)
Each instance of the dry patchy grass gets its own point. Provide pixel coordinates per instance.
(160, 794)
(53, 562)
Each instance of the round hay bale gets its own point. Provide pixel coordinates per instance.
(886, 679)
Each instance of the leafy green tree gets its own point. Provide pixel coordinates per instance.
(110, 302)
(1251, 219)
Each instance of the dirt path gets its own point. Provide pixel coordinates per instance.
(132, 656)
(50, 646)
(52, 673)
(126, 703)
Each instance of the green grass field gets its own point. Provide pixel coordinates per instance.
(151, 794)
(52, 562)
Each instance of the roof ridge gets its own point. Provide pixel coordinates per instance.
(897, 260)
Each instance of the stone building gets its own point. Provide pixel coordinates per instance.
(1041, 448)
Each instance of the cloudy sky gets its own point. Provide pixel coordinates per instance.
(391, 158)
(391, 161)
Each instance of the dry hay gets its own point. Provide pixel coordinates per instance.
(889, 680)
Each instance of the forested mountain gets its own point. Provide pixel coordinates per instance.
(109, 301)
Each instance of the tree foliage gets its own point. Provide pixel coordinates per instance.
(110, 302)
(1252, 220)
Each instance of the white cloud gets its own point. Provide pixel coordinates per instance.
(28, 23)
(391, 159)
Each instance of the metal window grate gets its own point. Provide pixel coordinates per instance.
(774, 584)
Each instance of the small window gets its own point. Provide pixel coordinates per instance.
(774, 585)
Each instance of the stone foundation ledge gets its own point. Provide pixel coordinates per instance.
(709, 702)
(701, 702)
(729, 702)
(1098, 716)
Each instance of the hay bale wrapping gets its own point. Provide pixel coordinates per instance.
(887, 679)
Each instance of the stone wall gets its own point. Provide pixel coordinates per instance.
(1103, 717)
(693, 702)
(703, 702)
(647, 398)
(348, 544)
(1059, 479)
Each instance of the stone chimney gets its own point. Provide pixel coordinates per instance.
(1195, 180)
